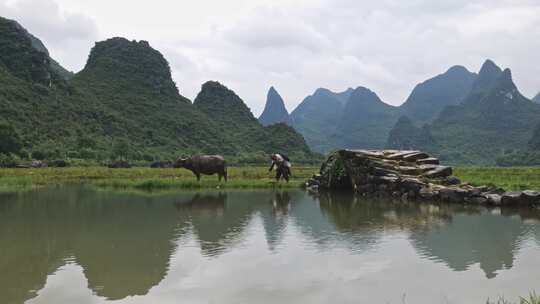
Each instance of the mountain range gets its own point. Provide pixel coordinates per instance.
(460, 116)
(125, 93)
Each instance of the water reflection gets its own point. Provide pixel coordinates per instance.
(124, 242)
(488, 239)
(113, 237)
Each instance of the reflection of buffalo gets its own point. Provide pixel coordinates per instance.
(204, 164)
(205, 204)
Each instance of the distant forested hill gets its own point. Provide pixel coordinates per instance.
(124, 96)
(492, 123)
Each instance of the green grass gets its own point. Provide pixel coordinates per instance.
(145, 178)
(513, 178)
(253, 177)
(531, 299)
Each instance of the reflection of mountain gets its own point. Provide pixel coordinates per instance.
(30, 249)
(123, 242)
(124, 246)
(488, 239)
(458, 236)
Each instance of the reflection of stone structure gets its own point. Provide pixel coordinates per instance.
(122, 241)
(490, 240)
(351, 213)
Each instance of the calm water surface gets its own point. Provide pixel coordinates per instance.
(77, 245)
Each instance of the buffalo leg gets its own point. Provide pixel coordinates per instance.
(225, 174)
(198, 177)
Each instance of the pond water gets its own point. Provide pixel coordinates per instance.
(78, 245)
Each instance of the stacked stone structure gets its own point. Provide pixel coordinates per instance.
(407, 175)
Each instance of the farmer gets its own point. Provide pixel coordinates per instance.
(283, 166)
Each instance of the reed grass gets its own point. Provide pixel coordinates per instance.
(531, 299)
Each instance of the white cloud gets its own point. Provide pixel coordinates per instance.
(298, 46)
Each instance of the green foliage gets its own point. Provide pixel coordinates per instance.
(10, 141)
(8, 161)
(125, 93)
(534, 143)
(121, 149)
(85, 141)
(39, 155)
(512, 158)
(236, 124)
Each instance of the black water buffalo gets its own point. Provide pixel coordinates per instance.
(204, 164)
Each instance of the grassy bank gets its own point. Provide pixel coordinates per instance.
(239, 177)
(145, 178)
(513, 178)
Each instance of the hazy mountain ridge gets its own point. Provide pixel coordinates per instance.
(317, 117)
(274, 110)
(367, 125)
(430, 97)
(364, 118)
(536, 98)
(493, 120)
(460, 116)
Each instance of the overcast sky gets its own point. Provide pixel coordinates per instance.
(297, 46)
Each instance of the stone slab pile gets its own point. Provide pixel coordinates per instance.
(407, 175)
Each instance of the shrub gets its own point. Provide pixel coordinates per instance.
(10, 141)
(7, 161)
